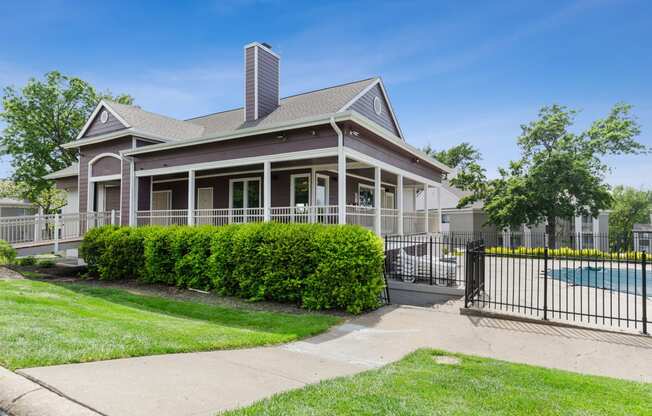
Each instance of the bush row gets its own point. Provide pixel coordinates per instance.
(564, 252)
(315, 266)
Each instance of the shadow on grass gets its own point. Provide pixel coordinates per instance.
(271, 322)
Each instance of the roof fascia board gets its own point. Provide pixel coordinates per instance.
(101, 104)
(115, 135)
(379, 82)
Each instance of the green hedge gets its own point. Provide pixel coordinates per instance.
(315, 266)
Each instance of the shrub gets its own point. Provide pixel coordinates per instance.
(7, 253)
(349, 272)
(315, 266)
(191, 249)
(46, 263)
(94, 245)
(26, 261)
(159, 259)
(123, 255)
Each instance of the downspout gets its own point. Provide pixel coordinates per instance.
(341, 173)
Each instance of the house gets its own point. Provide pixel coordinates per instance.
(643, 237)
(12, 207)
(580, 232)
(334, 155)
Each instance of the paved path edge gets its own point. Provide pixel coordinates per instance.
(21, 396)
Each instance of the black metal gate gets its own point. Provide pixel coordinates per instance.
(475, 273)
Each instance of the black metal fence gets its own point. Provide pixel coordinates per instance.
(588, 286)
(430, 259)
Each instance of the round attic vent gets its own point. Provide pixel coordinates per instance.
(104, 116)
(377, 107)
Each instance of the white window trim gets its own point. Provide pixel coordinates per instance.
(292, 178)
(328, 185)
(197, 197)
(370, 187)
(245, 190)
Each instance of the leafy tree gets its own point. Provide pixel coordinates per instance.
(630, 206)
(40, 118)
(464, 158)
(457, 157)
(560, 174)
(50, 199)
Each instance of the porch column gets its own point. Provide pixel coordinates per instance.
(133, 194)
(425, 206)
(267, 190)
(341, 187)
(578, 232)
(191, 197)
(377, 202)
(399, 202)
(597, 242)
(439, 214)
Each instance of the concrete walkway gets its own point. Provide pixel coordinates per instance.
(204, 383)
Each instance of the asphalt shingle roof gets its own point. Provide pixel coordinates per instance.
(72, 170)
(295, 107)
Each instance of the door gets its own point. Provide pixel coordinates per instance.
(111, 198)
(322, 196)
(244, 196)
(204, 205)
(161, 205)
(299, 197)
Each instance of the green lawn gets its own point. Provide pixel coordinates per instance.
(45, 324)
(417, 385)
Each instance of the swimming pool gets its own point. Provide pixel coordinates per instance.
(622, 280)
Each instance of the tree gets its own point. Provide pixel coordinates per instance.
(51, 199)
(457, 157)
(40, 118)
(630, 206)
(560, 174)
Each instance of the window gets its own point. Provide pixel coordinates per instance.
(322, 193)
(378, 108)
(245, 193)
(104, 116)
(300, 190)
(365, 195)
(445, 219)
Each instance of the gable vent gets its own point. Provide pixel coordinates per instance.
(261, 80)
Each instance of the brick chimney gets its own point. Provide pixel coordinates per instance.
(261, 80)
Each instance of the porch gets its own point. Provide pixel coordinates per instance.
(302, 191)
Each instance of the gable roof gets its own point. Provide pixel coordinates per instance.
(72, 170)
(295, 107)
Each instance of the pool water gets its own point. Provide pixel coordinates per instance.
(622, 280)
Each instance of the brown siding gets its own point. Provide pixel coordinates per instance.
(249, 83)
(365, 106)
(268, 73)
(107, 166)
(239, 148)
(66, 183)
(380, 149)
(97, 127)
(89, 152)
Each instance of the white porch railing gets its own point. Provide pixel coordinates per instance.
(414, 222)
(310, 214)
(162, 217)
(363, 216)
(43, 229)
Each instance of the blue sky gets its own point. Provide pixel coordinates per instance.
(455, 71)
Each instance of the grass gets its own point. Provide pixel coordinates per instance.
(45, 324)
(417, 385)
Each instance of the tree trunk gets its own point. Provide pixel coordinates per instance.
(551, 230)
